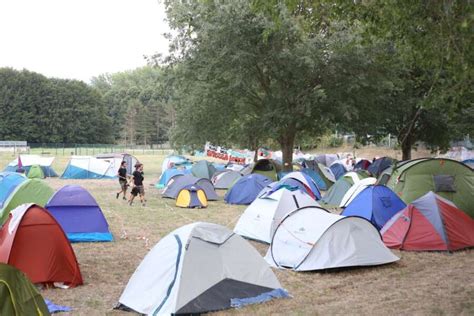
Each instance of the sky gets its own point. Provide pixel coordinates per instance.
(80, 39)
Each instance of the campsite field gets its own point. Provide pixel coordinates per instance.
(420, 283)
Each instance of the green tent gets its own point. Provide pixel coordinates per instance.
(203, 169)
(29, 191)
(336, 192)
(18, 296)
(268, 168)
(35, 172)
(448, 178)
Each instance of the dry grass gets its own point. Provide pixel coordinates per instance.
(420, 283)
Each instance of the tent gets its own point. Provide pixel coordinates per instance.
(376, 203)
(225, 179)
(17, 295)
(79, 215)
(311, 238)
(268, 168)
(26, 161)
(469, 163)
(35, 172)
(355, 190)
(229, 268)
(338, 170)
(178, 182)
(379, 165)
(450, 179)
(29, 191)
(246, 189)
(326, 159)
(429, 223)
(336, 193)
(32, 241)
(8, 182)
(103, 166)
(310, 187)
(316, 178)
(362, 164)
(174, 160)
(260, 219)
(168, 174)
(191, 196)
(324, 172)
(203, 169)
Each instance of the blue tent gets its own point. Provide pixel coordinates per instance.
(316, 178)
(379, 165)
(8, 182)
(469, 162)
(376, 203)
(168, 174)
(246, 190)
(338, 170)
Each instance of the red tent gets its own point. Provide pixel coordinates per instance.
(429, 223)
(32, 241)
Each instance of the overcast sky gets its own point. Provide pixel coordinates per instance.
(80, 39)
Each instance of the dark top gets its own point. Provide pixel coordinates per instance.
(122, 173)
(138, 178)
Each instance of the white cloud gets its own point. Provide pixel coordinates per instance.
(80, 38)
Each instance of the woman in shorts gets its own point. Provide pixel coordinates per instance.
(138, 188)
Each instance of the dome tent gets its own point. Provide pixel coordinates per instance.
(311, 238)
(246, 189)
(191, 196)
(225, 179)
(35, 172)
(25, 162)
(166, 281)
(8, 182)
(203, 169)
(79, 215)
(179, 181)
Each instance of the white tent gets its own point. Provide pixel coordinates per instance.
(104, 166)
(355, 189)
(30, 160)
(195, 269)
(262, 216)
(312, 239)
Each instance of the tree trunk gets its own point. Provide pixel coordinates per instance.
(406, 148)
(287, 142)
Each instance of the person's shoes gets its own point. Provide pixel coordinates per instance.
(143, 204)
(130, 203)
(117, 195)
(124, 198)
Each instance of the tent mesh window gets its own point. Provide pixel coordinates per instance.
(444, 183)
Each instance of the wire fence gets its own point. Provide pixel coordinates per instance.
(60, 149)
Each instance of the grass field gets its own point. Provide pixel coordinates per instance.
(420, 283)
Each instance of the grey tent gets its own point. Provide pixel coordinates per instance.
(203, 169)
(335, 194)
(225, 179)
(179, 181)
(198, 268)
(326, 159)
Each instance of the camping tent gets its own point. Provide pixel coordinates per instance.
(307, 182)
(8, 182)
(379, 165)
(260, 219)
(324, 172)
(174, 160)
(178, 182)
(26, 161)
(17, 295)
(191, 196)
(429, 223)
(376, 203)
(195, 269)
(362, 164)
(115, 159)
(338, 170)
(316, 178)
(450, 179)
(103, 166)
(35, 172)
(29, 191)
(469, 163)
(336, 193)
(311, 238)
(268, 168)
(225, 179)
(79, 215)
(32, 241)
(246, 189)
(203, 169)
(355, 190)
(168, 174)
(326, 159)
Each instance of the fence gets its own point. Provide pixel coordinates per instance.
(58, 149)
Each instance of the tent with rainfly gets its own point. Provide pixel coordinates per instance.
(203, 169)
(25, 162)
(168, 174)
(191, 196)
(225, 179)
(260, 219)
(429, 223)
(178, 182)
(338, 170)
(32, 241)
(8, 182)
(379, 165)
(268, 168)
(18, 296)
(311, 238)
(376, 203)
(29, 191)
(166, 282)
(316, 178)
(448, 178)
(246, 189)
(79, 215)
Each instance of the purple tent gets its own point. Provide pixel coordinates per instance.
(79, 215)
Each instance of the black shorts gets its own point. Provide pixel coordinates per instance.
(139, 189)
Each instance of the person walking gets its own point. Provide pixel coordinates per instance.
(138, 188)
(122, 177)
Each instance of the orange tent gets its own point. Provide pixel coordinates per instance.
(32, 241)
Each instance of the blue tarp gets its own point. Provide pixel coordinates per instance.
(375, 203)
(245, 190)
(53, 308)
